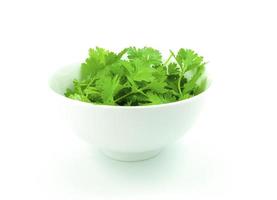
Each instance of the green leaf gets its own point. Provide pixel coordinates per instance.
(91, 90)
(173, 69)
(68, 92)
(109, 87)
(158, 87)
(136, 99)
(98, 59)
(188, 59)
(148, 56)
(155, 98)
(79, 97)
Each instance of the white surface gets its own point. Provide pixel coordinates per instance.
(229, 154)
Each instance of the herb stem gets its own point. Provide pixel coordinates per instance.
(180, 74)
(90, 82)
(179, 85)
(130, 93)
(165, 63)
(172, 53)
(124, 96)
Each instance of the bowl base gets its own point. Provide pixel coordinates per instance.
(131, 157)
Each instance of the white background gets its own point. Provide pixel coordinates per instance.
(229, 154)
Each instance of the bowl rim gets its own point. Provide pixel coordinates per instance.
(87, 104)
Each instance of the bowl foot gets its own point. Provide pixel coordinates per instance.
(131, 157)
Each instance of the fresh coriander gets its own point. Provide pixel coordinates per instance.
(138, 76)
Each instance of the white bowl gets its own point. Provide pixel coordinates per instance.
(123, 132)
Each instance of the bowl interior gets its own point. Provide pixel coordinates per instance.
(62, 78)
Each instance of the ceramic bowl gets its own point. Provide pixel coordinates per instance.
(125, 133)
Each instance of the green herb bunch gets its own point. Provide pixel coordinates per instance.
(138, 76)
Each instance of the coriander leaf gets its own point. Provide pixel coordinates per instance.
(136, 99)
(91, 90)
(188, 59)
(98, 59)
(77, 92)
(108, 87)
(137, 71)
(148, 56)
(172, 69)
(68, 92)
(155, 98)
(158, 87)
